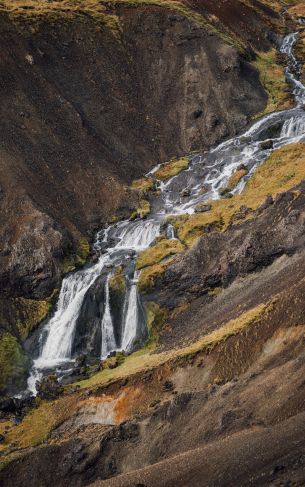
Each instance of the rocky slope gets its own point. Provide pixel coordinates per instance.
(217, 397)
(77, 127)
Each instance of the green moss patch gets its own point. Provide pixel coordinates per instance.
(171, 168)
(37, 425)
(142, 210)
(150, 274)
(273, 79)
(31, 312)
(12, 360)
(156, 318)
(21, 316)
(77, 259)
(143, 184)
(117, 281)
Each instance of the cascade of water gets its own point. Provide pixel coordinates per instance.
(293, 127)
(61, 327)
(138, 236)
(108, 338)
(121, 241)
(293, 66)
(170, 232)
(131, 317)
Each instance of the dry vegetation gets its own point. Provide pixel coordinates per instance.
(142, 210)
(158, 252)
(273, 79)
(117, 281)
(37, 11)
(149, 275)
(284, 169)
(297, 7)
(37, 425)
(236, 178)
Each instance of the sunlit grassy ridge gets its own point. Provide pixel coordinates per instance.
(235, 178)
(150, 273)
(297, 7)
(143, 184)
(98, 10)
(37, 425)
(35, 11)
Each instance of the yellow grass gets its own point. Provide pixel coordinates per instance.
(146, 359)
(117, 280)
(149, 275)
(142, 210)
(162, 249)
(284, 169)
(37, 425)
(297, 8)
(235, 178)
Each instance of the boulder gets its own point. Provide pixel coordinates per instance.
(203, 207)
(49, 388)
(266, 144)
(185, 192)
(204, 189)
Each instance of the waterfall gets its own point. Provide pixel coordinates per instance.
(293, 65)
(119, 243)
(131, 318)
(170, 232)
(139, 235)
(61, 327)
(108, 338)
(293, 127)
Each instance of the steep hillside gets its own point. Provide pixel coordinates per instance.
(94, 94)
(76, 125)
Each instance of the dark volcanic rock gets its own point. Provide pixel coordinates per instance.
(278, 228)
(49, 388)
(80, 120)
(86, 129)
